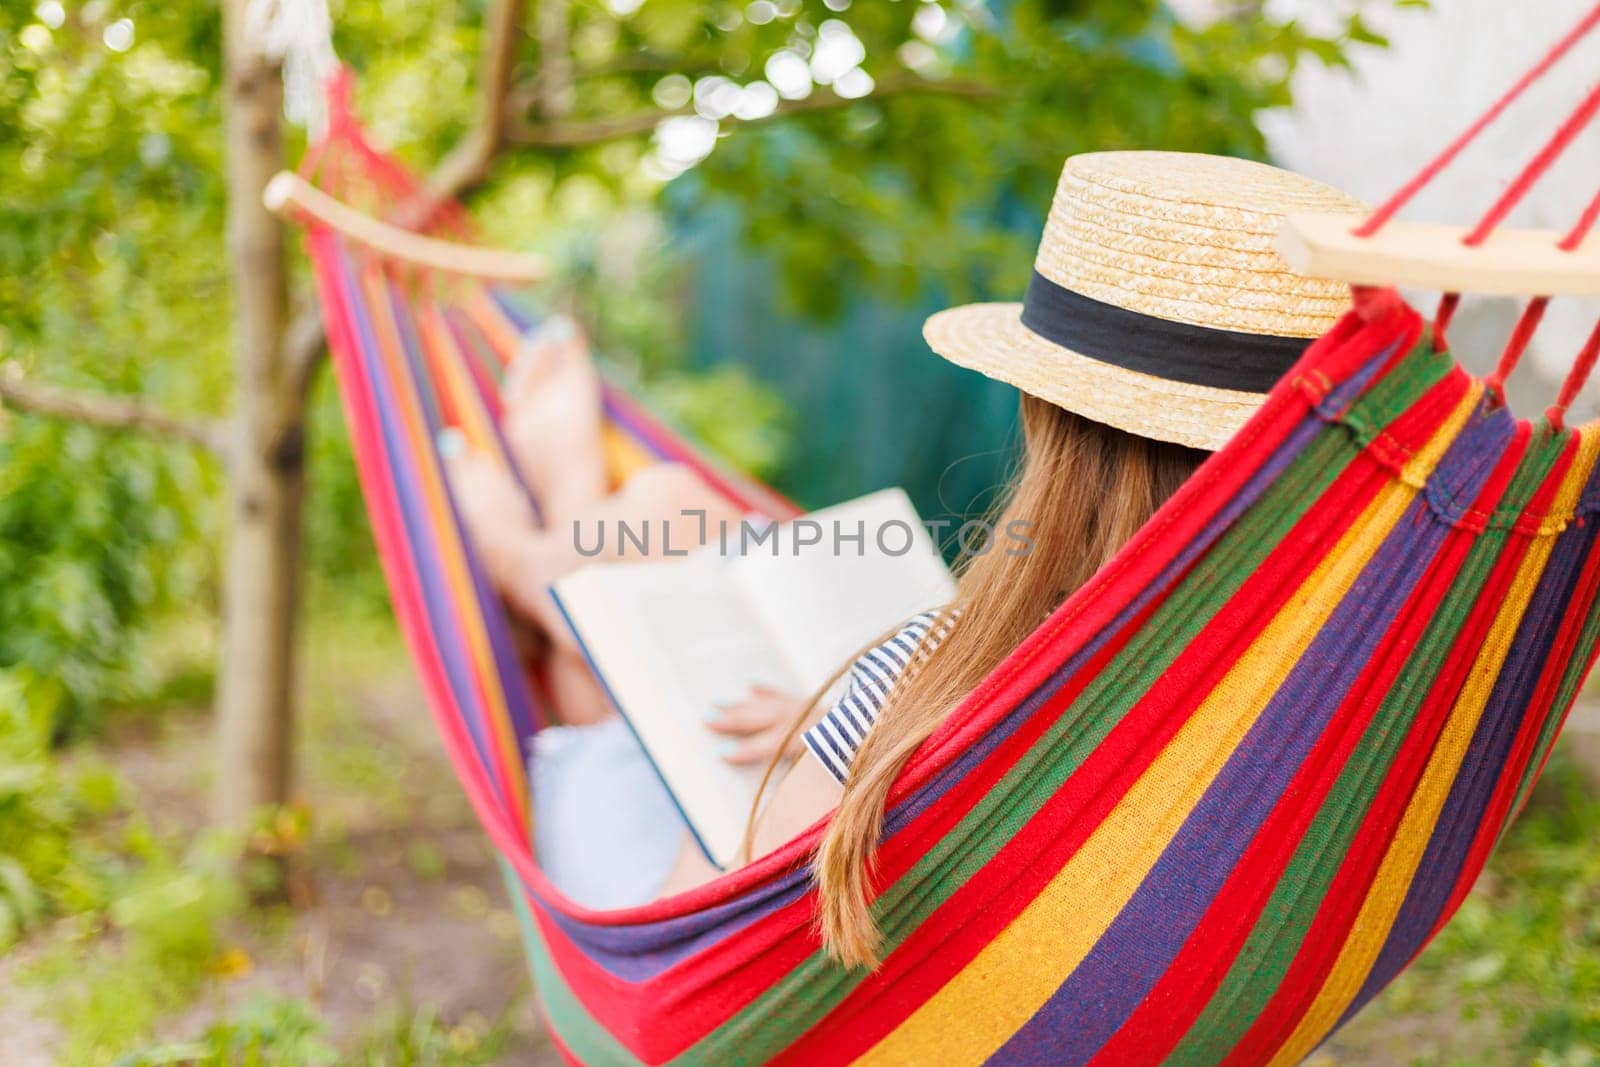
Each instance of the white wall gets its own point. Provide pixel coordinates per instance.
(1368, 129)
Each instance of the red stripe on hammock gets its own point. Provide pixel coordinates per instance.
(1347, 892)
(503, 779)
(394, 553)
(1185, 990)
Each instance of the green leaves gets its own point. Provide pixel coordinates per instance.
(111, 277)
(267, 1032)
(44, 868)
(731, 414)
(97, 534)
(940, 179)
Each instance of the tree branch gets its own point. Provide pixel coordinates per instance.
(304, 343)
(464, 167)
(599, 131)
(554, 80)
(467, 164)
(107, 411)
(524, 96)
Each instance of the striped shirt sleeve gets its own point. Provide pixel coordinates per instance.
(838, 735)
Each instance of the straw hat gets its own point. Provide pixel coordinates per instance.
(1158, 304)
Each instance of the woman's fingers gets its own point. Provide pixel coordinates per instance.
(753, 730)
(761, 710)
(758, 747)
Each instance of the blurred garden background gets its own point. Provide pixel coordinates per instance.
(752, 204)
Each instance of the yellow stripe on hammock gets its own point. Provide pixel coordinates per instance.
(1388, 891)
(457, 384)
(1013, 976)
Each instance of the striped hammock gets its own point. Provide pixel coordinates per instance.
(1205, 813)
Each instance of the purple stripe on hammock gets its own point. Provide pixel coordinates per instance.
(419, 532)
(1140, 944)
(509, 670)
(514, 688)
(624, 415)
(617, 947)
(509, 673)
(1484, 764)
(508, 667)
(459, 326)
(403, 317)
(484, 364)
(511, 308)
(1293, 445)
(637, 953)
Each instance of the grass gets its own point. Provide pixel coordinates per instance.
(1515, 976)
(283, 1032)
(140, 946)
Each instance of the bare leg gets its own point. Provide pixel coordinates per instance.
(523, 559)
(552, 421)
(552, 427)
(668, 499)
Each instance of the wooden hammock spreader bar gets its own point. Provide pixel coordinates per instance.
(288, 193)
(1432, 256)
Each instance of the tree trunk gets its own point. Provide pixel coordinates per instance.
(266, 473)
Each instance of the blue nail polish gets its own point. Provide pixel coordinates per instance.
(451, 441)
(727, 748)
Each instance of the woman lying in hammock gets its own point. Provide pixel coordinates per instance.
(1131, 367)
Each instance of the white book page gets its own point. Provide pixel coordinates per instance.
(824, 602)
(672, 638)
(669, 640)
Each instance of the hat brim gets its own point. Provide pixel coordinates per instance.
(990, 339)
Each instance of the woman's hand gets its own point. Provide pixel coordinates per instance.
(753, 729)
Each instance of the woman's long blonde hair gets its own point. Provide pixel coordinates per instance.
(1082, 489)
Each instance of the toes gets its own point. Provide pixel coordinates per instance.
(556, 346)
(465, 470)
(452, 446)
(480, 486)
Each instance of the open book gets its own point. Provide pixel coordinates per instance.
(785, 608)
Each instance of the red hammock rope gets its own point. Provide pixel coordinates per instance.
(1389, 208)
(1536, 168)
(1528, 322)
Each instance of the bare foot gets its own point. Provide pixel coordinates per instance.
(552, 420)
(520, 558)
(493, 508)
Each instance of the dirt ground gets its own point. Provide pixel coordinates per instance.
(398, 904)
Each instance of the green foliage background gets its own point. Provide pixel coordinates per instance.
(113, 273)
